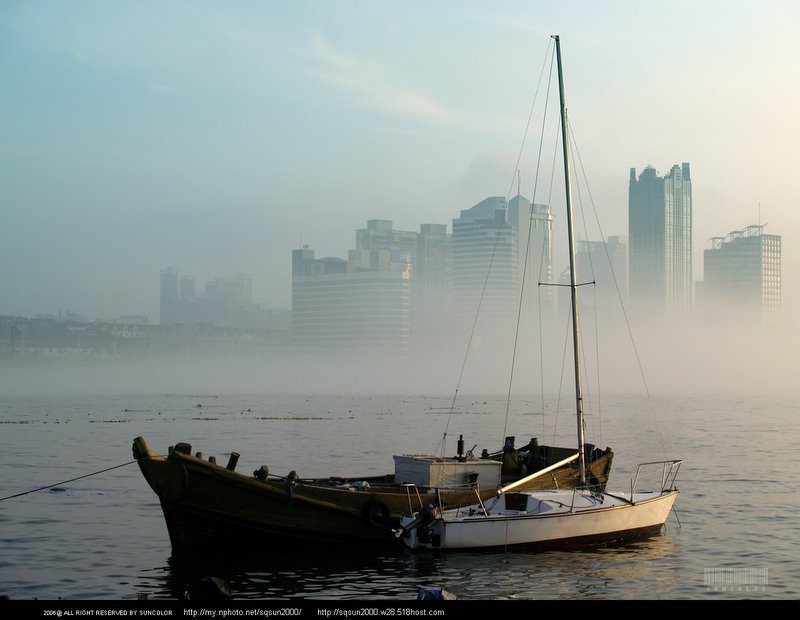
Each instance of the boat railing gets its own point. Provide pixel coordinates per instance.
(669, 472)
(413, 492)
(409, 486)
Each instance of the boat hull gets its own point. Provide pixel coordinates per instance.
(204, 502)
(584, 524)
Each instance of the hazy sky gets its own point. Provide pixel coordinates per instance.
(216, 137)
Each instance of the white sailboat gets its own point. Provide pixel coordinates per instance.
(575, 517)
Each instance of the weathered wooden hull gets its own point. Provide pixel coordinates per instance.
(204, 502)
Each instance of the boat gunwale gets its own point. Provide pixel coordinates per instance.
(379, 483)
(478, 518)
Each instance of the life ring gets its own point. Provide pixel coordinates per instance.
(377, 512)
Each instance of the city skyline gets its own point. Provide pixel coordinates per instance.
(242, 286)
(239, 132)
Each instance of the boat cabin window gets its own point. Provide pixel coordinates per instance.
(516, 501)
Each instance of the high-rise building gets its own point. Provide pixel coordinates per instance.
(742, 274)
(188, 291)
(605, 263)
(617, 248)
(379, 244)
(339, 307)
(237, 291)
(226, 302)
(660, 237)
(169, 297)
(534, 223)
(432, 277)
(485, 268)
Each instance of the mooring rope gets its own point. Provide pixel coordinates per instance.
(50, 486)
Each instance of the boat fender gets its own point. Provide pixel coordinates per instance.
(377, 512)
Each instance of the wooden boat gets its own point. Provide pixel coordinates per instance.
(519, 518)
(203, 501)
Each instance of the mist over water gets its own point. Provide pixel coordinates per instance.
(617, 356)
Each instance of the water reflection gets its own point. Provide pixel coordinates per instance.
(326, 572)
(296, 570)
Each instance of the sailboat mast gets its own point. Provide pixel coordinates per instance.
(572, 284)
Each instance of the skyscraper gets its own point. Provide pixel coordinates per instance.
(432, 280)
(485, 268)
(742, 276)
(534, 224)
(339, 307)
(606, 264)
(379, 244)
(660, 237)
(168, 299)
(226, 302)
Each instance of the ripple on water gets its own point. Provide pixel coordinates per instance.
(107, 534)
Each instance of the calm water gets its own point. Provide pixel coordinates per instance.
(103, 537)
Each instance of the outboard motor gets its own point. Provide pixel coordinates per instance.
(424, 518)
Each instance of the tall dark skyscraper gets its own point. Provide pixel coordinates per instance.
(660, 237)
